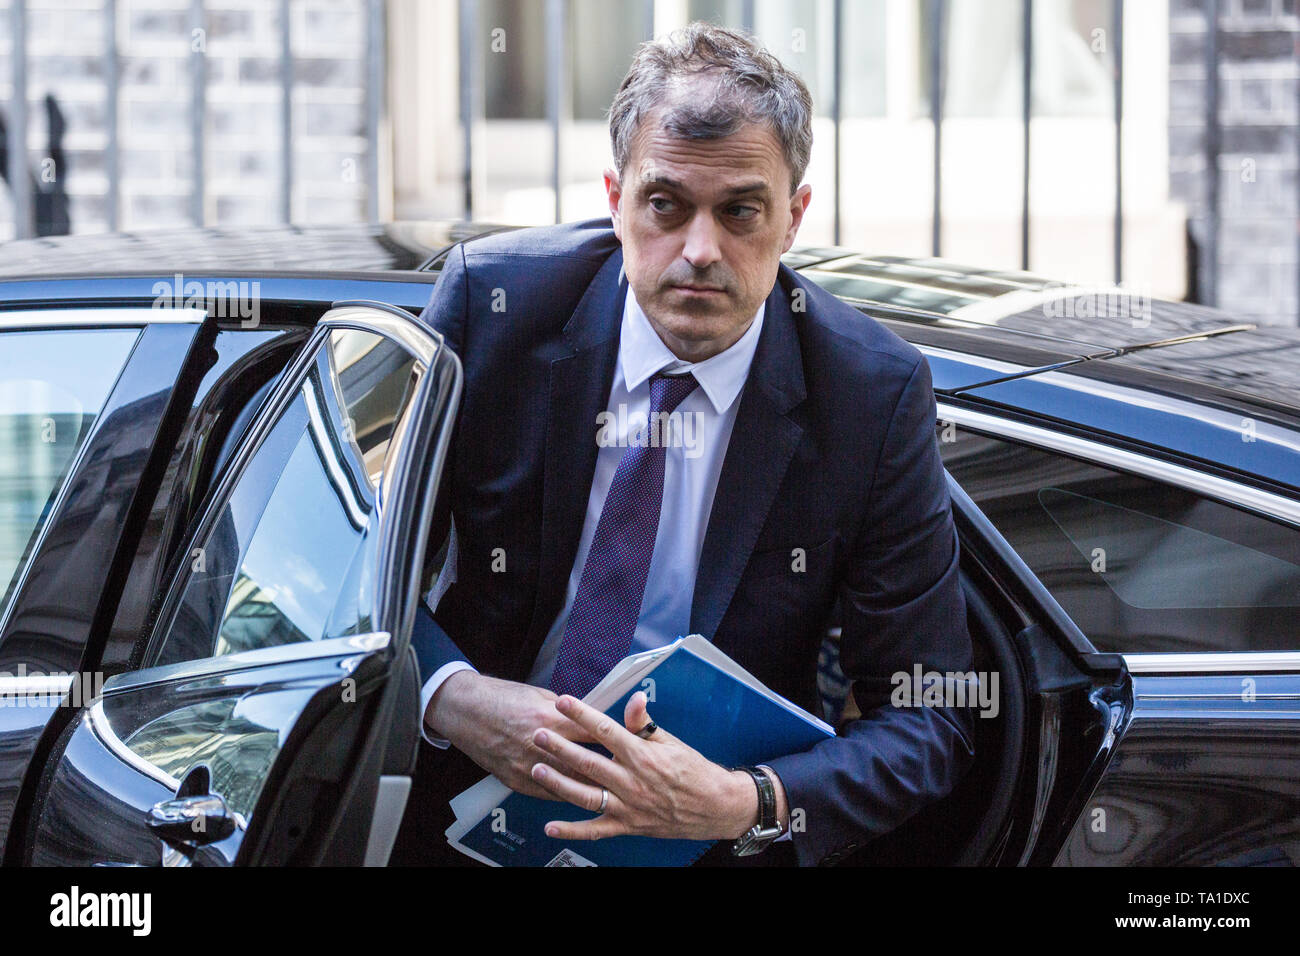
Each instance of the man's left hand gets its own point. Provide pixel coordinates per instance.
(657, 786)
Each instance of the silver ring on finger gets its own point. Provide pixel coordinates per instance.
(604, 800)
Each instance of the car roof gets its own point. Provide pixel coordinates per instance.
(1105, 331)
(396, 246)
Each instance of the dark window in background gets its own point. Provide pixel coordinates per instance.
(800, 34)
(603, 36)
(514, 80)
(1141, 567)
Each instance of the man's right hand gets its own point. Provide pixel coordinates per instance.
(492, 722)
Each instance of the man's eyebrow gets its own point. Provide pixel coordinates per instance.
(757, 186)
(660, 180)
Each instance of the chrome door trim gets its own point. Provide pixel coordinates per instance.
(13, 687)
(244, 660)
(88, 317)
(1229, 662)
(98, 723)
(1212, 486)
(321, 434)
(396, 324)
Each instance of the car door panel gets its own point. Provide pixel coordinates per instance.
(58, 589)
(1074, 696)
(289, 711)
(136, 743)
(1206, 774)
(1042, 745)
(1188, 579)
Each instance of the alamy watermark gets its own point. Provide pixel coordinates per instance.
(23, 689)
(637, 429)
(231, 299)
(1116, 302)
(922, 688)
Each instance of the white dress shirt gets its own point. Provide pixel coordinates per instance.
(692, 464)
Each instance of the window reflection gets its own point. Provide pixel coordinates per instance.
(1140, 566)
(293, 554)
(239, 752)
(53, 385)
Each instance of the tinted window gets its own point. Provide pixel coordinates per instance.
(1141, 566)
(291, 556)
(53, 385)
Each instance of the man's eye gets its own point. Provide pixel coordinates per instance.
(661, 204)
(743, 212)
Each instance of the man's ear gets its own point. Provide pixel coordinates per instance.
(798, 205)
(614, 190)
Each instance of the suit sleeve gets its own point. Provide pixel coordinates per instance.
(902, 606)
(446, 313)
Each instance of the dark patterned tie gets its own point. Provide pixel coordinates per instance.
(602, 621)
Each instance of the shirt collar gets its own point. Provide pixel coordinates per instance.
(641, 353)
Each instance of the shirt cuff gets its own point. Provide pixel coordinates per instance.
(430, 688)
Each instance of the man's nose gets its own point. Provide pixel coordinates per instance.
(702, 248)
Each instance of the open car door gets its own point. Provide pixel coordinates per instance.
(1047, 718)
(275, 717)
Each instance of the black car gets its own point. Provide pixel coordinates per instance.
(220, 452)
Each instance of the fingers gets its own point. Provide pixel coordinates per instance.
(595, 829)
(602, 729)
(636, 717)
(635, 714)
(578, 794)
(555, 720)
(588, 764)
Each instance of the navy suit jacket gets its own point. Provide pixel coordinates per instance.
(833, 452)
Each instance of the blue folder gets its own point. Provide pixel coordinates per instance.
(728, 717)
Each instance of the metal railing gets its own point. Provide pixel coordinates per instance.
(935, 13)
(559, 113)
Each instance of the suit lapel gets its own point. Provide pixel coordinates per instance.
(763, 441)
(579, 391)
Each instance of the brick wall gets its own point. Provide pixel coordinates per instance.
(1258, 80)
(241, 43)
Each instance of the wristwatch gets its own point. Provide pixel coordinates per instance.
(768, 828)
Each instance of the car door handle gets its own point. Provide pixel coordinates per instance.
(194, 817)
(195, 820)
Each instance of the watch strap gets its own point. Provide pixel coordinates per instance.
(756, 839)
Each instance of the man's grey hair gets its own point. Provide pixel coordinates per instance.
(743, 84)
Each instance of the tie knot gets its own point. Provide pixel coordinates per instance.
(668, 391)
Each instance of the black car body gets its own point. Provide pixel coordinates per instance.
(1126, 487)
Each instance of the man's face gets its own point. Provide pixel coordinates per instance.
(703, 225)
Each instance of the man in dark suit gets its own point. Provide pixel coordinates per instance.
(801, 469)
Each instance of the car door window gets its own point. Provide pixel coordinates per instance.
(53, 385)
(1140, 565)
(292, 554)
